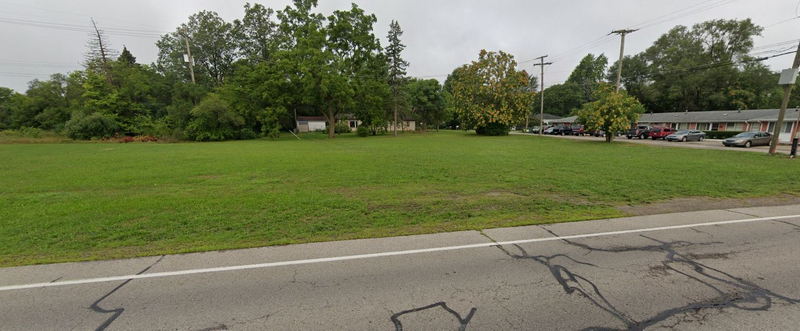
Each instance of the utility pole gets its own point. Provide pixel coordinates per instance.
(793, 153)
(541, 64)
(622, 34)
(787, 93)
(189, 55)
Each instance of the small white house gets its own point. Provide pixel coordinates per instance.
(318, 123)
(310, 123)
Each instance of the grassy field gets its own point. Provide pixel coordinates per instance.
(67, 202)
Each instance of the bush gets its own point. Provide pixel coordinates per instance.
(342, 127)
(362, 131)
(721, 134)
(246, 134)
(493, 129)
(213, 119)
(272, 132)
(30, 132)
(96, 125)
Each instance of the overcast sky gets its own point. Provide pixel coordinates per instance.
(40, 37)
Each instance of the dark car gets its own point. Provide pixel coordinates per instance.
(639, 131)
(596, 133)
(747, 139)
(578, 130)
(561, 130)
(687, 135)
(660, 133)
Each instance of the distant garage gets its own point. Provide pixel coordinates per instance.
(310, 123)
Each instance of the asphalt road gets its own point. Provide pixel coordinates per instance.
(684, 271)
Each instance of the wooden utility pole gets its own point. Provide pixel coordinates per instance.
(541, 64)
(622, 34)
(189, 55)
(787, 93)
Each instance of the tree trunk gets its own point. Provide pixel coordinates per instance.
(609, 137)
(395, 118)
(331, 123)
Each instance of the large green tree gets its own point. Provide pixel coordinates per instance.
(213, 45)
(426, 101)
(490, 94)
(704, 67)
(256, 34)
(397, 70)
(560, 99)
(588, 74)
(612, 111)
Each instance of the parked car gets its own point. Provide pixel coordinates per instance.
(639, 131)
(687, 135)
(561, 130)
(578, 130)
(747, 139)
(597, 133)
(549, 130)
(565, 131)
(660, 133)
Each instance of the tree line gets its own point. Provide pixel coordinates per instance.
(709, 66)
(247, 78)
(250, 77)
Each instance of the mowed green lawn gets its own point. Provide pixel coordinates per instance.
(67, 202)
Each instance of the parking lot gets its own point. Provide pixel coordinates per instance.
(706, 144)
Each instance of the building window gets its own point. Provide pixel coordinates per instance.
(352, 124)
(787, 127)
(714, 126)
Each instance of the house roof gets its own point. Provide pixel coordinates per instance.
(546, 116)
(571, 119)
(716, 116)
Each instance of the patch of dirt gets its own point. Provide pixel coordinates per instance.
(503, 193)
(704, 203)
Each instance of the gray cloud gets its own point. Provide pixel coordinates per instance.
(440, 35)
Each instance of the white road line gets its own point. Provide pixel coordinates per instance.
(374, 255)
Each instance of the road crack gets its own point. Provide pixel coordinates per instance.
(118, 311)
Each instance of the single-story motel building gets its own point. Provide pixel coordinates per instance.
(318, 123)
(718, 120)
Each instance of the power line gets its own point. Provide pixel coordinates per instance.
(690, 10)
(781, 22)
(84, 28)
(693, 9)
(83, 15)
(710, 66)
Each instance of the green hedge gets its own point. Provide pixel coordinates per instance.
(493, 129)
(721, 134)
